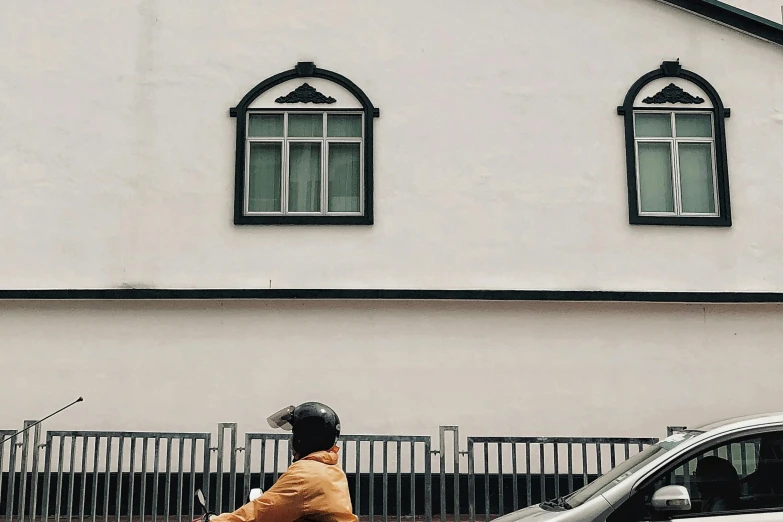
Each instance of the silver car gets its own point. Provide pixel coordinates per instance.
(730, 471)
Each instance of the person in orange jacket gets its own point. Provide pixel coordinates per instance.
(313, 488)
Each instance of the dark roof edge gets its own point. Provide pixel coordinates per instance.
(390, 294)
(733, 17)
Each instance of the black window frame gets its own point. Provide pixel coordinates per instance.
(303, 70)
(670, 69)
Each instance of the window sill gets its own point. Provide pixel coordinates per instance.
(303, 220)
(677, 221)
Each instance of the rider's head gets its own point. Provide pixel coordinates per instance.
(315, 427)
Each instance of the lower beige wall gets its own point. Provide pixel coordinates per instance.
(390, 367)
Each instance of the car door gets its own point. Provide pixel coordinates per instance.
(737, 479)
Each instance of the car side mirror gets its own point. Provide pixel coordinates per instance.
(671, 498)
(255, 493)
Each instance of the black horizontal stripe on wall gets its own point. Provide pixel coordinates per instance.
(393, 294)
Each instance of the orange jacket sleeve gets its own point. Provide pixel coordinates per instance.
(283, 502)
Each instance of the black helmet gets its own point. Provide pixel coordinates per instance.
(315, 426)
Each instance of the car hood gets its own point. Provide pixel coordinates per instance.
(532, 513)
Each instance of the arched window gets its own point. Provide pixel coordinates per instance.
(676, 150)
(304, 151)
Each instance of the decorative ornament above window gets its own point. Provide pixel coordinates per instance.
(673, 94)
(305, 94)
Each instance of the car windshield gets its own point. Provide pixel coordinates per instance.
(626, 468)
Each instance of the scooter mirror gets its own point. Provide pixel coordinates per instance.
(201, 500)
(255, 493)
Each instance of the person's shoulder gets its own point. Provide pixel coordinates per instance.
(308, 466)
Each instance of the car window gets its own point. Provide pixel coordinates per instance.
(740, 475)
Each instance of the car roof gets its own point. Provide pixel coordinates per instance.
(745, 421)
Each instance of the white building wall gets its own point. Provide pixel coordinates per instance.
(390, 367)
(499, 157)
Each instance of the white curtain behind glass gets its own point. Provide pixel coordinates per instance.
(304, 177)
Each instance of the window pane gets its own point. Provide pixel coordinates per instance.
(265, 126)
(344, 177)
(653, 125)
(697, 189)
(693, 125)
(304, 177)
(305, 125)
(741, 475)
(344, 125)
(266, 160)
(655, 177)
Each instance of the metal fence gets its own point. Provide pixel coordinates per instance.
(540, 468)
(117, 476)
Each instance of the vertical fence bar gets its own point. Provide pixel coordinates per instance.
(71, 477)
(232, 481)
(486, 482)
(428, 482)
(584, 464)
(528, 477)
(36, 458)
(455, 434)
(23, 474)
(263, 464)
(219, 474)
(107, 484)
(9, 507)
(248, 461)
(611, 455)
(557, 469)
(3, 435)
(155, 478)
(276, 460)
(570, 467)
(413, 480)
(60, 450)
(207, 466)
(167, 492)
(598, 458)
(471, 483)
(357, 485)
(442, 459)
(501, 510)
(47, 477)
(131, 476)
(399, 480)
(371, 500)
(542, 468)
(514, 474)
(385, 481)
(345, 456)
(94, 502)
(142, 501)
(118, 503)
(207, 470)
(181, 476)
(83, 479)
